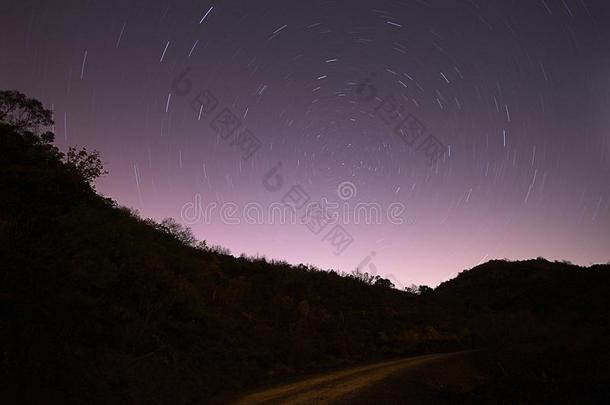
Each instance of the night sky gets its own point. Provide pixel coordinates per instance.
(411, 138)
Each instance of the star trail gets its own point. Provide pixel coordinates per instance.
(410, 138)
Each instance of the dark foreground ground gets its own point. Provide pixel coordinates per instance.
(447, 378)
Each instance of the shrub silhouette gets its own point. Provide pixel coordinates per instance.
(23, 113)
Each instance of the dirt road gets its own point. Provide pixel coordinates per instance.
(347, 385)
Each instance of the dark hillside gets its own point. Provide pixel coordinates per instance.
(546, 327)
(97, 301)
(531, 295)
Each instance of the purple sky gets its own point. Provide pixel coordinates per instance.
(514, 93)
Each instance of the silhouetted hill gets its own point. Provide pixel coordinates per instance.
(552, 295)
(99, 305)
(546, 326)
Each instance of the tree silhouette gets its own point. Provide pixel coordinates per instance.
(23, 113)
(383, 282)
(88, 165)
(28, 117)
(178, 231)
